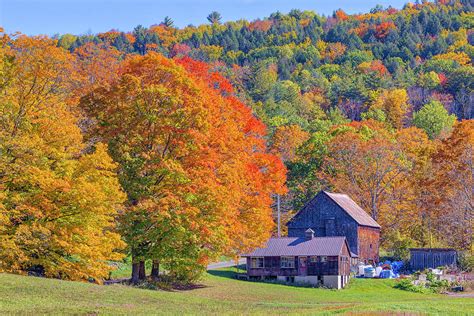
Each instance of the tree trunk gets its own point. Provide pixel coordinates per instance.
(135, 274)
(141, 271)
(155, 270)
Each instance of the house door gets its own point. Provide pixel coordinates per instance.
(303, 266)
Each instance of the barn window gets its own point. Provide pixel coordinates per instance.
(287, 262)
(256, 262)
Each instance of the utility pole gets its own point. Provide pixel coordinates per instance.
(278, 215)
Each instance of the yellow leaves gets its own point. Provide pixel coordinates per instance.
(461, 58)
(58, 205)
(395, 104)
(213, 52)
(330, 50)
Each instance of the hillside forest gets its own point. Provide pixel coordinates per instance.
(170, 145)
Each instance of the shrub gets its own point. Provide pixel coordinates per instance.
(432, 285)
(407, 285)
(466, 262)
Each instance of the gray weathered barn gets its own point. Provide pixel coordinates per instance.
(424, 258)
(333, 214)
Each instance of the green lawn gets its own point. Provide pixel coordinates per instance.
(219, 294)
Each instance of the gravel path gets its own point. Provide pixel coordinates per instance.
(224, 264)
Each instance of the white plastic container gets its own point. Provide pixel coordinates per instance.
(377, 271)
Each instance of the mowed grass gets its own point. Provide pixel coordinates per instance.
(220, 294)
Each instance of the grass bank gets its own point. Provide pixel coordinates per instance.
(219, 294)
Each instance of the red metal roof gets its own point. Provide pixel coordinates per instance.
(354, 210)
(291, 246)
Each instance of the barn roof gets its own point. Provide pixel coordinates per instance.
(291, 246)
(351, 208)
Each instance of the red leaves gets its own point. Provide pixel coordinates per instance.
(180, 50)
(202, 71)
(378, 67)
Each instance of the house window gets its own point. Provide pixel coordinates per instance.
(324, 258)
(287, 262)
(313, 259)
(370, 246)
(256, 262)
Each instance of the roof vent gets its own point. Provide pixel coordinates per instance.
(309, 234)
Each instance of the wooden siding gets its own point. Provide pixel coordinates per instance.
(334, 265)
(326, 218)
(345, 262)
(424, 259)
(368, 243)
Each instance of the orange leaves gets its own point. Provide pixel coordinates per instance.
(362, 29)
(341, 15)
(286, 141)
(97, 65)
(382, 30)
(375, 66)
(260, 25)
(335, 50)
(192, 158)
(452, 181)
(109, 37)
(368, 162)
(378, 66)
(166, 34)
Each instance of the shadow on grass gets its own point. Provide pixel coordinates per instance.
(228, 273)
(165, 286)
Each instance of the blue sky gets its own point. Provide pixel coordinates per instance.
(79, 17)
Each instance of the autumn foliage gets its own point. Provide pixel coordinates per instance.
(192, 160)
(167, 145)
(58, 196)
(77, 129)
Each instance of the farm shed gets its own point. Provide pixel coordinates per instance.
(424, 258)
(314, 260)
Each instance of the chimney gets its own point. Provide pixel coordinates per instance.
(309, 234)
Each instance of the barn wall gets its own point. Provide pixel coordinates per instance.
(369, 243)
(326, 218)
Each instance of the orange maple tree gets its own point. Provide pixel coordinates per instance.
(193, 163)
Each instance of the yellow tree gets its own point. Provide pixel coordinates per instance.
(58, 197)
(395, 105)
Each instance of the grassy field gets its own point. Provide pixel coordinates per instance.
(219, 294)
